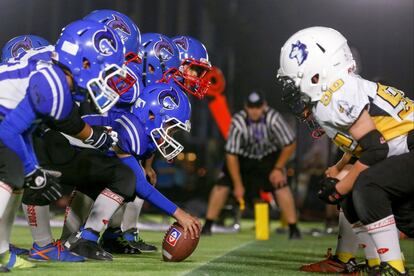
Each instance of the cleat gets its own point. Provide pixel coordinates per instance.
(135, 241)
(12, 261)
(54, 251)
(206, 231)
(330, 265)
(17, 250)
(3, 269)
(89, 249)
(360, 269)
(114, 242)
(385, 269)
(295, 234)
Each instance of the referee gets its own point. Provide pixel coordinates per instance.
(259, 144)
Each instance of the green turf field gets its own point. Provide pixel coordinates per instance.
(220, 254)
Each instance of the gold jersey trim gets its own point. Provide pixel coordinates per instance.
(391, 128)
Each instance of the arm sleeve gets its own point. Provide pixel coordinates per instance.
(13, 131)
(282, 130)
(145, 190)
(234, 140)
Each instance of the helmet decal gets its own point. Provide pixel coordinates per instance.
(182, 42)
(21, 46)
(120, 27)
(163, 50)
(169, 99)
(105, 42)
(299, 52)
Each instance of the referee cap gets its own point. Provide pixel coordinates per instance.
(255, 99)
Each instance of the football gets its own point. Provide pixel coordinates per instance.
(175, 248)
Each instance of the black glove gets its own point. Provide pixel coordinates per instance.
(328, 189)
(42, 187)
(102, 138)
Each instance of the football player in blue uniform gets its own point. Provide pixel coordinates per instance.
(160, 110)
(86, 57)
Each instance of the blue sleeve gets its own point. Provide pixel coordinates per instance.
(96, 120)
(145, 190)
(13, 131)
(131, 136)
(50, 94)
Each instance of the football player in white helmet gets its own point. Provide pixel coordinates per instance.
(372, 121)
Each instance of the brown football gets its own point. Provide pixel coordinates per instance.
(175, 248)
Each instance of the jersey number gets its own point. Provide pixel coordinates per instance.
(396, 97)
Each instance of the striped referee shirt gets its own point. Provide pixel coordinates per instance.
(256, 140)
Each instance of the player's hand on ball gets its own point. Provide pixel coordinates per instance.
(191, 225)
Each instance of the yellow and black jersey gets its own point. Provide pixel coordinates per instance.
(343, 103)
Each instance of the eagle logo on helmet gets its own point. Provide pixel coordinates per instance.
(169, 99)
(163, 50)
(182, 42)
(21, 46)
(104, 42)
(299, 52)
(119, 25)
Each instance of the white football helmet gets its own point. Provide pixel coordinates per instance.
(314, 58)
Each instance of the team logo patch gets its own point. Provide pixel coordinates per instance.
(382, 250)
(163, 50)
(173, 237)
(120, 27)
(104, 42)
(299, 52)
(169, 99)
(182, 42)
(21, 46)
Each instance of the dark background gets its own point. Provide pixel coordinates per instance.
(243, 38)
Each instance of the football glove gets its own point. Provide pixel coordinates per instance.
(102, 138)
(42, 187)
(328, 190)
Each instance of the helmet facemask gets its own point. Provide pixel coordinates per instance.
(107, 87)
(164, 140)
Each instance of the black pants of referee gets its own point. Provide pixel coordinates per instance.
(254, 174)
(89, 170)
(384, 189)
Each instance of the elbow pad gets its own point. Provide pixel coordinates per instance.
(374, 148)
(72, 124)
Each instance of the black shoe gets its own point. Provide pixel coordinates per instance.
(3, 269)
(206, 231)
(119, 246)
(87, 248)
(295, 234)
(386, 270)
(132, 237)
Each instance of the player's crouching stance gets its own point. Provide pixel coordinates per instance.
(359, 115)
(41, 87)
(158, 113)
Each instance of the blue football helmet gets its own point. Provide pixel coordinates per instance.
(94, 54)
(163, 109)
(124, 26)
(194, 66)
(159, 55)
(19, 45)
(132, 85)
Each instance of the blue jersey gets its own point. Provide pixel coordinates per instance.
(30, 88)
(134, 141)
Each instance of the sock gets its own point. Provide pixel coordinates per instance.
(208, 224)
(116, 219)
(38, 218)
(6, 222)
(347, 245)
(366, 242)
(112, 233)
(131, 214)
(5, 194)
(385, 236)
(76, 214)
(104, 207)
